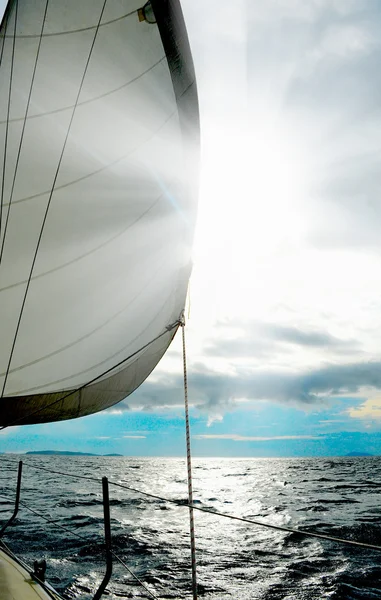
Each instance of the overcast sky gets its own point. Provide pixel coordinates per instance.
(285, 313)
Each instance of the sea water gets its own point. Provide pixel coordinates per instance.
(336, 496)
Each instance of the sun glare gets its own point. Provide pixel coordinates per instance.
(252, 187)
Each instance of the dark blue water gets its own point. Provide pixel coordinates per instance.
(338, 496)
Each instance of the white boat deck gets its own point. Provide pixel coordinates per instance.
(17, 584)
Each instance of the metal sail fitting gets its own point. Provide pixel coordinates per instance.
(146, 14)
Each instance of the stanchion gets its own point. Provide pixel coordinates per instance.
(107, 526)
(17, 502)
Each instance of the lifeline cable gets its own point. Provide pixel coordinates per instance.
(82, 538)
(134, 576)
(51, 521)
(212, 512)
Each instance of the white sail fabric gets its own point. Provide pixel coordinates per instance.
(98, 128)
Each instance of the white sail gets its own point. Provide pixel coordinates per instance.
(98, 145)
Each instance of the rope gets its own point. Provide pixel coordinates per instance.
(189, 468)
(53, 184)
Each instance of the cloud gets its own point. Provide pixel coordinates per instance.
(312, 338)
(370, 409)
(248, 438)
(330, 421)
(216, 392)
(135, 437)
(136, 432)
(265, 339)
(9, 430)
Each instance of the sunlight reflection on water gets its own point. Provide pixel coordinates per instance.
(235, 560)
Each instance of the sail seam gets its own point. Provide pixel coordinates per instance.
(84, 102)
(89, 253)
(69, 31)
(53, 185)
(89, 334)
(167, 330)
(41, 387)
(109, 165)
(104, 168)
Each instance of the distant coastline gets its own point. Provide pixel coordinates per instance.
(68, 453)
(353, 454)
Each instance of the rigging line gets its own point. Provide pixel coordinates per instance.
(135, 576)
(211, 512)
(22, 132)
(189, 467)
(95, 98)
(8, 109)
(52, 521)
(3, 44)
(53, 185)
(32, 35)
(72, 392)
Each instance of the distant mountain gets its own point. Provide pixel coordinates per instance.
(359, 454)
(68, 453)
